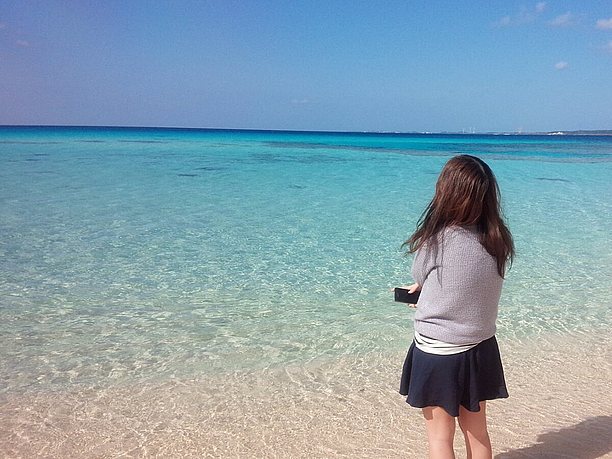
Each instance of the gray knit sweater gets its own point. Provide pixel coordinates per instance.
(460, 288)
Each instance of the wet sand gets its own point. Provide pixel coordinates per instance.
(559, 407)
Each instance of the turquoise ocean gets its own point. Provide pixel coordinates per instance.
(138, 255)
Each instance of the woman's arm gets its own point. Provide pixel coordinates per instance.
(423, 264)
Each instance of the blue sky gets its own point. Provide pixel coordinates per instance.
(312, 65)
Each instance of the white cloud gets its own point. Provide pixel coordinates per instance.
(524, 16)
(300, 101)
(561, 65)
(505, 21)
(608, 47)
(23, 43)
(563, 20)
(2, 25)
(604, 24)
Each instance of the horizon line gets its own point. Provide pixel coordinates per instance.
(324, 131)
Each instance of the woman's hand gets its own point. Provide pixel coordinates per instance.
(411, 289)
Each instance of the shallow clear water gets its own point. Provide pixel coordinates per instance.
(141, 254)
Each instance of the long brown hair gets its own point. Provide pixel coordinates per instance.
(466, 194)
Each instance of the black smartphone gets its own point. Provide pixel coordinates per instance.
(402, 296)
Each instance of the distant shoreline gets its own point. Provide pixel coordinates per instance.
(599, 132)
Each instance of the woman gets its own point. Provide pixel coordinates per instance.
(462, 248)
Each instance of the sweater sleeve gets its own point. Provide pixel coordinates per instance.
(424, 262)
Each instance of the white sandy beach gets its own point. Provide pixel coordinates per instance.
(559, 407)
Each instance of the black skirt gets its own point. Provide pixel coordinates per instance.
(449, 381)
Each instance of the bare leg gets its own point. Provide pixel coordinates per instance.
(440, 432)
(474, 427)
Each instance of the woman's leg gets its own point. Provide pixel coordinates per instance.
(440, 432)
(474, 428)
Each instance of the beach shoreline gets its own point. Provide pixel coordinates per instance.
(346, 408)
